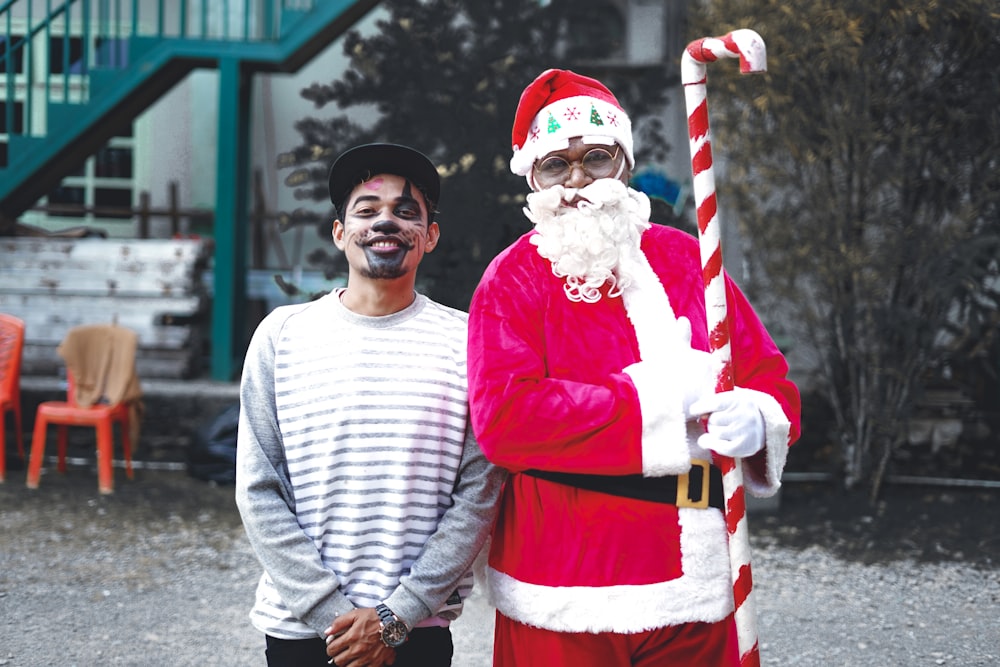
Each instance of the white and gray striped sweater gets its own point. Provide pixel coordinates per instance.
(358, 478)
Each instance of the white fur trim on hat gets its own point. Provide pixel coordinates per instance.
(593, 120)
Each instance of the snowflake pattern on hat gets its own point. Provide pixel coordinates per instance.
(560, 105)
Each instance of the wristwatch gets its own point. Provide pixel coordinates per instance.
(394, 632)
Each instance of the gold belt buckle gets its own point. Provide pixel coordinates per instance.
(683, 495)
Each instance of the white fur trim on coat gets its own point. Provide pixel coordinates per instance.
(702, 594)
(665, 376)
(776, 432)
(664, 426)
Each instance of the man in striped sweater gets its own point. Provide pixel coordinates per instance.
(363, 492)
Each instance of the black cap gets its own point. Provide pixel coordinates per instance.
(362, 162)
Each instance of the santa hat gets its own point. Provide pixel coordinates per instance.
(560, 105)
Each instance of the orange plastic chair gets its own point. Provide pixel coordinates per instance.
(101, 416)
(11, 349)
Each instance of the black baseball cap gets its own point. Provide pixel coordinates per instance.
(362, 162)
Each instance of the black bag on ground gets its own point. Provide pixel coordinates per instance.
(212, 456)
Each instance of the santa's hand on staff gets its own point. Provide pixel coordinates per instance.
(734, 423)
(677, 375)
(697, 371)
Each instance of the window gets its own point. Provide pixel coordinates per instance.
(111, 162)
(66, 55)
(72, 197)
(595, 31)
(102, 183)
(113, 203)
(99, 190)
(16, 64)
(17, 117)
(110, 52)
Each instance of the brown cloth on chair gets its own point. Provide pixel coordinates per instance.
(101, 358)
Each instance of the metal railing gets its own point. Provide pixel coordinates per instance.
(48, 48)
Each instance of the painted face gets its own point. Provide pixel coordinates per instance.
(385, 233)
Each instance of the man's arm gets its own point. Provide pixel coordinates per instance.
(264, 496)
(460, 534)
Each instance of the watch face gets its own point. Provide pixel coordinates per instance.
(394, 633)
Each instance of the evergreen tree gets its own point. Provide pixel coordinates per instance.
(445, 77)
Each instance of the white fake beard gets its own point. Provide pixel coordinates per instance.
(587, 243)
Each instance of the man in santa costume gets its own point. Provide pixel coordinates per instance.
(591, 381)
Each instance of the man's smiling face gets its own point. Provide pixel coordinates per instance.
(385, 230)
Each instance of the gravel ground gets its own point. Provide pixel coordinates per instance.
(160, 573)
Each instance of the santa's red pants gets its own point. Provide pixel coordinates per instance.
(702, 644)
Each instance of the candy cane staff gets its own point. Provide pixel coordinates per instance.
(748, 46)
(589, 377)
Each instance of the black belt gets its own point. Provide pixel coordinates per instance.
(701, 487)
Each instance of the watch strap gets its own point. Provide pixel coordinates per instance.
(384, 614)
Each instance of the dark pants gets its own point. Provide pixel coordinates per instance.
(426, 647)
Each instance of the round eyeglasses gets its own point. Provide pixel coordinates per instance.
(596, 163)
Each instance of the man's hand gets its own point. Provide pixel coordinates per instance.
(735, 424)
(355, 640)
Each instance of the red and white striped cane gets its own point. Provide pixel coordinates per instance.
(748, 46)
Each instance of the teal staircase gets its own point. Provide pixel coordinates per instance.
(106, 61)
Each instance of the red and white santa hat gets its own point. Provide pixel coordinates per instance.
(560, 105)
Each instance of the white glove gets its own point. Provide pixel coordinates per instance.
(735, 424)
(697, 373)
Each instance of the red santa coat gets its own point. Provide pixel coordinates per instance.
(553, 386)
